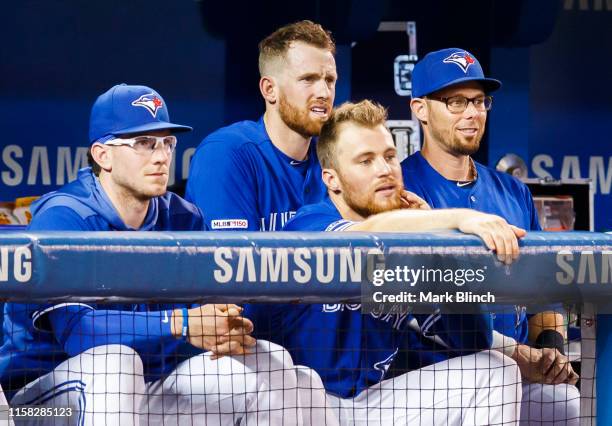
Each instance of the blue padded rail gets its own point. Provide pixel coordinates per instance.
(553, 267)
(131, 266)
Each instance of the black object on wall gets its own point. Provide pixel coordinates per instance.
(476, 26)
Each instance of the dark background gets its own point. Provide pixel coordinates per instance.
(553, 57)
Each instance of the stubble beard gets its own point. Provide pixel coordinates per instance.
(454, 144)
(138, 193)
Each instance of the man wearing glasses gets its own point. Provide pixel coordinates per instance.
(137, 364)
(451, 98)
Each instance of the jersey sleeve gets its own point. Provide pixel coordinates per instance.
(223, 185)
(339, 225)
(317, 221)
(79, 327)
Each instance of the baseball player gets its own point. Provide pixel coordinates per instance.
(451, 97)
(138, 364)
(269, 167)
(352, 352)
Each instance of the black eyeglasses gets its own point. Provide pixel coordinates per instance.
(458, 104)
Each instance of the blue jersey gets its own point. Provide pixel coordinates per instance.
(351, 351)
(39, 337)
(241, 181)
(492, 192)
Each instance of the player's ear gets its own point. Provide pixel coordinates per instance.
(268, 89)
(102, 155)
(331, 181)
(420, 109)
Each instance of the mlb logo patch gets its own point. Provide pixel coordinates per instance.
(229, 224)
(462, 59)
(151, 102)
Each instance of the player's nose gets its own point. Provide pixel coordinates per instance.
(161, 155)
(323, 91)
(382, 167)
(470, 110)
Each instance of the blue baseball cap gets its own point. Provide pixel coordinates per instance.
(446, 67)
(129, 109)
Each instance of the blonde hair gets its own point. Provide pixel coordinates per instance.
(365, 113)
(276, 44)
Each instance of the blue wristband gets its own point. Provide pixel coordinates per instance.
(185, 331)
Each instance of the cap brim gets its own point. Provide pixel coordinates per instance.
(489, 84)
(158, 125)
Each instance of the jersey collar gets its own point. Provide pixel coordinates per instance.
(473, 171)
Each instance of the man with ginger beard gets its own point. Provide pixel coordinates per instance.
(255, 175)
(352, 352)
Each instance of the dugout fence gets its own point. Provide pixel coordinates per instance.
(338, 272)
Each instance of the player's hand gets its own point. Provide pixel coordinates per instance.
(545, 365)
(496, 233)
(237, 341)
(218, 328)
(412, 201)
(557, 367)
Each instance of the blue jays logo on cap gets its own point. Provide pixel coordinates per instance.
(114, 113)
(149, 101)
(437, 71)
(462, 59)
